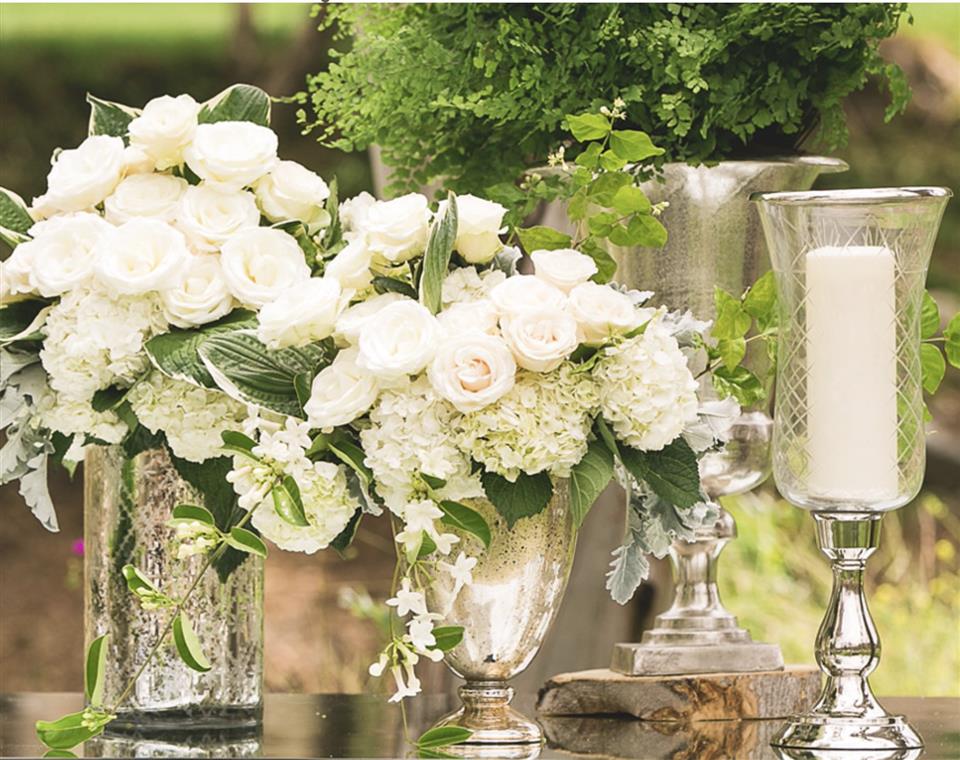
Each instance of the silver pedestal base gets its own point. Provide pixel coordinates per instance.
(837, 732)
(664, 660)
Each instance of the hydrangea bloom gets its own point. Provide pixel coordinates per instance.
(646, 390)
(542, 424)
(192, 417)
(466, 284)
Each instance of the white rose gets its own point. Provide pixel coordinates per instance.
(397, 230)
(261, 264)
(140, 256)
(479, 315)
(479, 225)
(82, 177)
(563, 268)
(302, 314)
(351, 267)
(17, 276)
(400, 340)
(61, 253)
(155, 195)
(353, 320)
(472, 369)
(200, 297)
(291, 191)
(353, 211)
(601, 312)
(524, 292)
(232, 153)
(541, 339)
(136, 161)
(341, 392)
(165, 128)
(210, 215)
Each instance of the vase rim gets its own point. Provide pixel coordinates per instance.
(855, 196)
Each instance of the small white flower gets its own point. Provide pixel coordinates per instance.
(564, 268)
(164, 128)
(377, 668)
(153, 195)
(524, 293)
(140, 256)
(420, 516)
(540, 339)
(399, 340)
(409, 689)
(291, 191)
(341, 392)
(407, 600)
(420, 633)
(210, 215)
(261, 264)
(232, 153)
(460, 571)
(304, 313)
(201, 296)
(83, 176)
(472, 369)
(445, 542)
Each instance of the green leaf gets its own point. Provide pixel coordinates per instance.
(244, 540)
(606, 435)
(527, 496)
(107, 398)
(20, 319)
(443, 736)
(740, 383)
(239, 102)
(932, 366)
(193, 512)
(760, 301)
(68, 731)
(448, 636)
(434, 483)
(287, 502)
(345, 537)
(603, 189)
(393, 285)
(542, 239)
(588, 126)
(610, 161)
(93, 672)
(731, 352)
(606, 265)
(108, 118)
(951, 341)
(732, 321)
(351, 455)
(58, 753)
(459, 516)
(15, 220)
(137, 582)
(646, 231)
(246, 370)
(436, 259)
(234, 440)
(672, 472)
(175, 353)
(588, 478)
(188, 645)
(929, 317)
(589, 157)
(633, 145)
(630, 199)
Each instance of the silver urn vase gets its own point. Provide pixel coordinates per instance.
(127, 503)
(714, 240)
(518, 584)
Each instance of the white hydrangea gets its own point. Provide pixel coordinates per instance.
(191, 417)
(94, 340)
(466, 284)
(647, 392)
(413, 431)
(70, 416)
(542, 424)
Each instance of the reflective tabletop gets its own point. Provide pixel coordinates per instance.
(357, 725)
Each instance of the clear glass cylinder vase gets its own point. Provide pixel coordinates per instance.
(127, 504)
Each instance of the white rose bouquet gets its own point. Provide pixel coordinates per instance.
(178, 285)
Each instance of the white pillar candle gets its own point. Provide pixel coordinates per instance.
(851, 374)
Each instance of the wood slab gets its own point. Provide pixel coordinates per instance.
(685, 698)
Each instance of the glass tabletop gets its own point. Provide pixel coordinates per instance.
(358, 725)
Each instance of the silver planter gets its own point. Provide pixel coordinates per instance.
(518, 584)
(127, 503)
(715, 240)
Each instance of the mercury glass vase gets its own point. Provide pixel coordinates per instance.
(518, 584)
(715, 240)
(849, 434)
(127, 503)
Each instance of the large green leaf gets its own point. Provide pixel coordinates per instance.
(443, 736)
(288, 504)
(71, 730)
(21, 319)
(525, 497)
(542, 239)
(932, 366)
(108, 118)
(93, 672)
(589, 478)
(15, 220)
(588, 126)
(245, 369)
(448, 636)
(188, 644)
(633, 145)
(239, 102)
(457, 515)
(247, 541)
(436, 259)
(175, 353)
(672, 472)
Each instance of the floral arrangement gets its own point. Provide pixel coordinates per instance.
(312, 361)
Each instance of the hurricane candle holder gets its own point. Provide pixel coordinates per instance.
(849, 436)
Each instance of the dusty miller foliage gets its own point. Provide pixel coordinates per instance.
(474, 93)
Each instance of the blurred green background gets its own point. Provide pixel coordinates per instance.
(773, 577)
